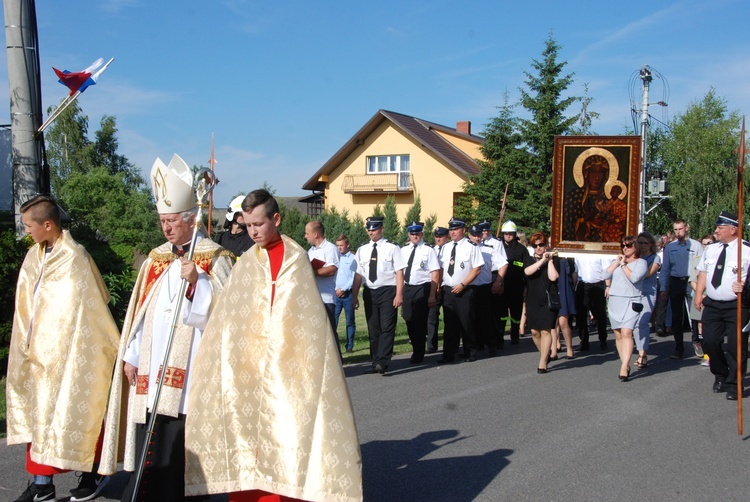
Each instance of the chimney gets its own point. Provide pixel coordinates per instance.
(464, 127)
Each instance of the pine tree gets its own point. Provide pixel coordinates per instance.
(544, 100)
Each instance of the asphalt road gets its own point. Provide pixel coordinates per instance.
(496, 430)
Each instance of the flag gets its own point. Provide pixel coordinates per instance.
(79, 81)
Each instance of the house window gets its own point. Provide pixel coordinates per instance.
(396, 164)
(382, 164)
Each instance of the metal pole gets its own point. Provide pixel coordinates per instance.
(646, 77)
(25, 102)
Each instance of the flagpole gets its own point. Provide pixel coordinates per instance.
(740, 198)
(211, 163)
(63, 105)
(502, 211)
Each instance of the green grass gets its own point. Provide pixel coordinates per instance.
(361, 352)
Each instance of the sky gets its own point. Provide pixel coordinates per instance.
(281, 86)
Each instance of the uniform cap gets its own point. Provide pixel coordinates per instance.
(456, 223)
(476, 229)
(727, 218)
(440, 231)
(374, 222)
(416, 226)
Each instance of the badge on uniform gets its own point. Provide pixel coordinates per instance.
(462, 265)
(423, 265)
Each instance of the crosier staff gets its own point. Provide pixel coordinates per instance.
(203, 184)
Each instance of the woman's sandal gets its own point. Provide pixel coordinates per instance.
(642, 362)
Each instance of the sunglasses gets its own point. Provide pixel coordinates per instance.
(628, 245)
(539, 245)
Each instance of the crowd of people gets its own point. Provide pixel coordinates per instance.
(667, 284)
(227, 374)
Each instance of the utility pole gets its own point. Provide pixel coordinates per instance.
(25, 103)
(646, 78)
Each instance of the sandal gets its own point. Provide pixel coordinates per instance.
(642, 362)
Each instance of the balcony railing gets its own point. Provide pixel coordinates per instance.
(377, 183)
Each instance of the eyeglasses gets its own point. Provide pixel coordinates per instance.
(628, 245)
(539, 245)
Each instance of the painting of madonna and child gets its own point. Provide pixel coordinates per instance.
(595, 192)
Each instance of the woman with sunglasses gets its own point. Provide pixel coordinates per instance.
(647, 248)
(540, 272)
(625, 302)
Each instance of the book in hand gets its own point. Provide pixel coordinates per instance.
(317, 264)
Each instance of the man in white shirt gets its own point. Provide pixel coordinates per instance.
(591, 297)
(717, 271)
(462, 262)
(324, 258)
(433, 319)
(380, 267)
(421, 277)
(488, 285)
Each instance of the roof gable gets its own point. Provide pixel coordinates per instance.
(421, 131)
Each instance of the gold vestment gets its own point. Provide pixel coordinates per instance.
(62, 351)
(128, 404)
(269, 406)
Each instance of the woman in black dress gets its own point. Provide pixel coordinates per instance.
(541, 274)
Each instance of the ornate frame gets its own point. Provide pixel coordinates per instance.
(595, 221)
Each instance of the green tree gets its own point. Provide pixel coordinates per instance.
(505, 160)
(413, 214)
(543, 99)
(391, 225)
(13, 252)
(700, 160)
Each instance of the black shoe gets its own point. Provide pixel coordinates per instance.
(677, 355)
(603, 344)
(731, 395)
(515, 341)
(445, 360)
(349, 351)
(471, 359)
(431, 351)
(719, 386)
(379, 369)
(89, 487)
(415, 359)
(542, 371)
(37, 493)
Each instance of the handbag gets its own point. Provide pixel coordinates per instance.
(553, 297)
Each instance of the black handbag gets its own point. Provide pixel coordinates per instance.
(553, 297)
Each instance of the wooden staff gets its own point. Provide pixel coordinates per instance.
(502, 211)
(203, 184)
(740, 197)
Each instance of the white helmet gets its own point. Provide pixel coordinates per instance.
(509, 226)
(235, 207)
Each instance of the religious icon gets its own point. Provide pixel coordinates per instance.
(596, 183)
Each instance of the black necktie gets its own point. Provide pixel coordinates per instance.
(374, 263)
(407, 275)
(453, 260)
(719, 269)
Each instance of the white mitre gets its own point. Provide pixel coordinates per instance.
(172, 186)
